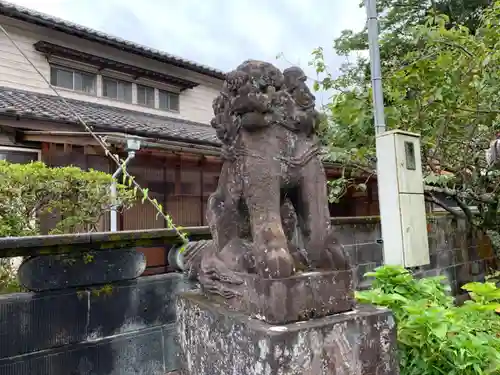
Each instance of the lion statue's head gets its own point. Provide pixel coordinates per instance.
(257, 94)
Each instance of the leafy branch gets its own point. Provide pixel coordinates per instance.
(441, 80)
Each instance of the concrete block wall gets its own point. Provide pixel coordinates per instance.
(123, 330)
(454, 253)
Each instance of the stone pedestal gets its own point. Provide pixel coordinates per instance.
(215, 340)
(298, 298)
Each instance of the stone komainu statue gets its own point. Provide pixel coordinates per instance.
(272, 187)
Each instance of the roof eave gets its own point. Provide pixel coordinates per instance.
(108, 128)
(120, 139)
(12, 12)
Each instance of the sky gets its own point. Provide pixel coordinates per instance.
(219, 33)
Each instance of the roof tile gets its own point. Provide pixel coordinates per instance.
(49, 107)
(32, 16)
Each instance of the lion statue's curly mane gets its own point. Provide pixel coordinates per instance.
(272, 187)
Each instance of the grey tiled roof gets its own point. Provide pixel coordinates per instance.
(26, 104)
(42, 19)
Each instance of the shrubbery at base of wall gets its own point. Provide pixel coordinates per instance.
(434, 335)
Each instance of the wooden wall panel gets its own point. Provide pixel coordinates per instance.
(182, 186)
(149, 172)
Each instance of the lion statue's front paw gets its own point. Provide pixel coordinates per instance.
(275, 263)
(330, 255)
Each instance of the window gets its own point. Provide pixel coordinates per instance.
(117, 89)
(19, 155)
(113, 88)
(146, 96)
(73, 79)
(169, 101)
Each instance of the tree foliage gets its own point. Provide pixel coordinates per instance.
(31, 192)
(28, 192)
(441, 80)
(398, 17)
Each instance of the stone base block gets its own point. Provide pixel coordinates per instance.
(297, 298)
(215, 340)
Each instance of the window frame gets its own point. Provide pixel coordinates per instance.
(118, 80)
(73, 71)
(137, 86)
(26, 150)
(168, 94)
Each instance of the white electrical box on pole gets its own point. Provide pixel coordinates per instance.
(399, 173)
(401, 199)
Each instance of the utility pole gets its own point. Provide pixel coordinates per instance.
(376, 71)
(399, 173)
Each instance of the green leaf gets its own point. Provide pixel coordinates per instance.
(28, 191)
(145, 194)
(434, 335)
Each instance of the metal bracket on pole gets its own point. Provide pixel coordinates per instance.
(133, 145)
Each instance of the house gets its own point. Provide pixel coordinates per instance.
(120, 89)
